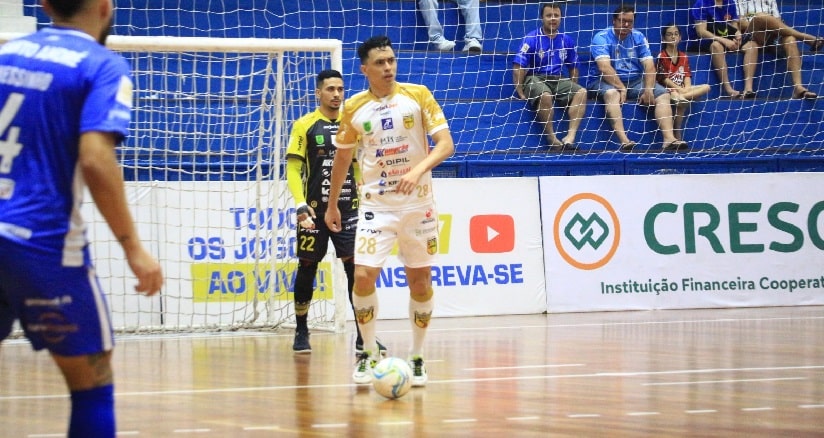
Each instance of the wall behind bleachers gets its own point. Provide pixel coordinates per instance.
(773, 132)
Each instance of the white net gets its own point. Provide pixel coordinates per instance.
(495, 133)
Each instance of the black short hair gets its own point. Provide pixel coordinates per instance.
(623, 9)
(326, 74)
(375, 42)
(667, 26)
(67, 8)
(552, 5)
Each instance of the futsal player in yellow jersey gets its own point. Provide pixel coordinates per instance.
(388, 125)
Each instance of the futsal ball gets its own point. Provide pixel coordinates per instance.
(392, 377)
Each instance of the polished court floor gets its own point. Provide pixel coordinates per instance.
(715, 372)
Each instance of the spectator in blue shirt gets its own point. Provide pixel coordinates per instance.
(624, 68)
(715, 30)
(537, 73)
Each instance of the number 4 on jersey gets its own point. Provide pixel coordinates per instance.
(9, 148)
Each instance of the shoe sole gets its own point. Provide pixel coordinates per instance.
(302, 351)
(362, 380)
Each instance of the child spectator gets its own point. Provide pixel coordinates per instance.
(673, 72)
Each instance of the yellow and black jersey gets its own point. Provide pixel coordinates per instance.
(311, 143)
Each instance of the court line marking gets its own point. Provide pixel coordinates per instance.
(530, 418)
(526, 367)
(201, 430)
(461, 420)
(701, 411)
(642, 414)
(252, 332)
(481, 379)
(261, 428)
(584, 415)
(811, 406)
(700, 382)
(763, 408)
(330, 425)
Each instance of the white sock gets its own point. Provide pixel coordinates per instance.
(366, 313)
(420, 313)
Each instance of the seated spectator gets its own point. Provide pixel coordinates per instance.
(472, 24)
(624, 69)
(715, 30)
(674, 73)
(762, 20)
(537, 73)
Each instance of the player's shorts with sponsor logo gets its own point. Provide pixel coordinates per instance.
(60, 308)
(312, 244)
(415, 231)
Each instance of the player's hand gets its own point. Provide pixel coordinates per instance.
(332, 218)
(147, 270)
(306, 215)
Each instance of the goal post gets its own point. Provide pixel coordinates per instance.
(204, 167)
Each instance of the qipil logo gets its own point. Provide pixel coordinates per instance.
(492, 233)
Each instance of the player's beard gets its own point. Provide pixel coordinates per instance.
(106, 31)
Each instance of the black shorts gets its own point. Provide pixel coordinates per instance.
(312, 244)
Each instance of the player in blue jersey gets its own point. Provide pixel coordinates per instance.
(624, 69)
(537, 73)
(65, 103)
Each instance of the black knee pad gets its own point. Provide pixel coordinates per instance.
(305, 281)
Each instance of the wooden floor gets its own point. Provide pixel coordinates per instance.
(736, 372)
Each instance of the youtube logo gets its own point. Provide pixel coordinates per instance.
(492, 233)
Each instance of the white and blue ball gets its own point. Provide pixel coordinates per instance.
(392, 377)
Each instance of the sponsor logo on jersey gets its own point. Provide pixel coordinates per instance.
(396, 161)
(319, 139)
(392, 151)
(408, 121)
(367, 126)
(387, 124)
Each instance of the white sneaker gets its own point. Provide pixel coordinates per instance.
(363, 368)
(419, 376)
(473, 46)
(442, 43)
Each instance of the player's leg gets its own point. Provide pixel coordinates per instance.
(417, 250)
(376, 235)
(365, 301)
(78, 334)
(344, 243)
(312, 244)
(90, 381)
(304, 289)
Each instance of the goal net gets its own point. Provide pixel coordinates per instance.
(204, 170)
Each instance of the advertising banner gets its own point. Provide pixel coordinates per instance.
(683, 241)
(228, 253)
(490, 255)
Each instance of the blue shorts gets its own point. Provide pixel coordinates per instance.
(634, 88)
(62, 309)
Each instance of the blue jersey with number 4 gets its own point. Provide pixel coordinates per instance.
(55, 85)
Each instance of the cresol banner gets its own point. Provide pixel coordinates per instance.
(683, 241)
